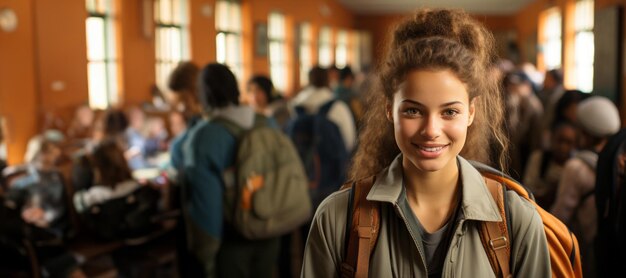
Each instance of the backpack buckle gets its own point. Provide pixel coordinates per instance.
(498, 243)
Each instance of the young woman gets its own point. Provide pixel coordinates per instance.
(435, 109)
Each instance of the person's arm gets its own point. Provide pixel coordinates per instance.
(207, 152)
(568, 192)
(530, 256)
(324, 246)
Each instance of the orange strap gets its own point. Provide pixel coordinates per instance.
(363, 232)
(494, 235)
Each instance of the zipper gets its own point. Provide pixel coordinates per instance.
(406, 223)
(453, 249)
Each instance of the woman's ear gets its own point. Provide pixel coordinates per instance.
(472, 111)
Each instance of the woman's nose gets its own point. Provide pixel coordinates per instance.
(431, 128)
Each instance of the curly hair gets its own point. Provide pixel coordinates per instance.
(435, 39)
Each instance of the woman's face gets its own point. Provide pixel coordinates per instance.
(257, 97)
(431, 113)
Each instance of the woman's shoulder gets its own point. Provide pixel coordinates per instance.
(335, 204)
(524, 214)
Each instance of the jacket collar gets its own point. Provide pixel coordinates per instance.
(476, 202)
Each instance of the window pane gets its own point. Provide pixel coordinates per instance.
(176, 12)
(221, 15)
(221, 47)
(325, 47)
(95, 38)
(175, 39)
(305, 32)
(584, 78)
(552, 34)
(112, 81)
(341, 51)
(91, 5)
(165, 12)
(235, 22)
(97, 85)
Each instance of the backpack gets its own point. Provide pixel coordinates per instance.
(321, 148)
(269, 195)
(125, 217)
(610, 196)
(362, 230)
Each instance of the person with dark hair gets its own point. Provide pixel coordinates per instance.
(598, 119)
(209, 151)
(316, 95)
(113, 178)
(183, 83)
(332, 73)
(261, 91)
(345, 92)
(552, 88)
(544, 167)
(435, 109)
(265, 100)
(562, 110)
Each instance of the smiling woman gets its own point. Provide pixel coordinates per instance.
(428, 116)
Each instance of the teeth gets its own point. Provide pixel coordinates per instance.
(435, 149)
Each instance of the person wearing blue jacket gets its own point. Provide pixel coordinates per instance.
(209, 152)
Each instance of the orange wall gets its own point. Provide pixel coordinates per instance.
(61, 56)
(137, 54)
(202, 31)
(17, 80)
(381, 26)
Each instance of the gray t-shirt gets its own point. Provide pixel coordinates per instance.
(435, 245)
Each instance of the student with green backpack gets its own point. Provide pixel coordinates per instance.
(436, 108)
(244, 183)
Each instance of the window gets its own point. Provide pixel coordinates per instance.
(325, 52)
(278, 63)
(341, 49)
(306, 59)
(101, 58)
(229, 38)
(584, 46)
(170, 37)
(552, 39)
(356, 63)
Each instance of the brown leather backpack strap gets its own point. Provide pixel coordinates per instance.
(494, 235)
(363, 231)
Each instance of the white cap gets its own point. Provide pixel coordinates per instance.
(598, 116)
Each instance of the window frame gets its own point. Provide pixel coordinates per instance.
(103, 10)
(165, 64)
(278, 65)
(230, 32)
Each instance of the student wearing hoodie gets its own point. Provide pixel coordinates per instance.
(208, 152)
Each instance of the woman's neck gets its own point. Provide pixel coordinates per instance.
(433, 196)
(432, 188)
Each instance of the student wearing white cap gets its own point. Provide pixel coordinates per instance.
(598, 119)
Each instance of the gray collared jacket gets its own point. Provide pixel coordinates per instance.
(398, 251)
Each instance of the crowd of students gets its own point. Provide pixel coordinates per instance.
(430, 107)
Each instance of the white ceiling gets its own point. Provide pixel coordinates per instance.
(406, 6)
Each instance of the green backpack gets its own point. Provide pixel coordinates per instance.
(266, 191)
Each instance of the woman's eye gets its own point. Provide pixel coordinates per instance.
(450, 113)
(411, 111)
